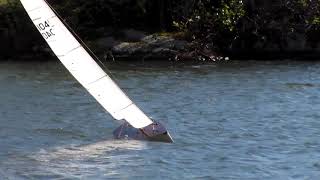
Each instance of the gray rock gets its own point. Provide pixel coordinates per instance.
(152, 46)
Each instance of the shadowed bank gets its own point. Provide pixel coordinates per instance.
(193, 29)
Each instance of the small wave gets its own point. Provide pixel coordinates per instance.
(300, 85)
(10, 177)
(61, 132)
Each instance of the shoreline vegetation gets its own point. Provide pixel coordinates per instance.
(175, 30)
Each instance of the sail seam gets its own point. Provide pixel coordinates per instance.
(97, 80)
(36, 19)
(127, 106)
(34, 9)
(69, 51)
(52, 17)
(52, 41)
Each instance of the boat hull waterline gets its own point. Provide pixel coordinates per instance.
(154, 132)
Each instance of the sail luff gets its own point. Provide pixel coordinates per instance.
(82, 66)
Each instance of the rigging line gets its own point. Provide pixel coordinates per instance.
(79, 39)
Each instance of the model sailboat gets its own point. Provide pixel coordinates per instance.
(91, 76)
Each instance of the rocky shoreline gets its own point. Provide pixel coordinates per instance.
(259, 30)
(20, 40)
(138, 45)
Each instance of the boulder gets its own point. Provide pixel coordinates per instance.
(150, 47)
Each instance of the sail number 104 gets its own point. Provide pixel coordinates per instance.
(45, 29)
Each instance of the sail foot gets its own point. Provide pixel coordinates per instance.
(153, 132)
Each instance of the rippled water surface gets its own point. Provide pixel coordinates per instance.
(232, 120)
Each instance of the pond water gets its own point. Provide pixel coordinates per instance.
(230, 120)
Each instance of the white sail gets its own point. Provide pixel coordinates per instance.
(82, 66)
